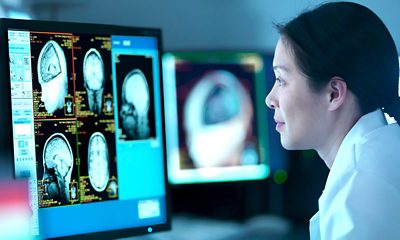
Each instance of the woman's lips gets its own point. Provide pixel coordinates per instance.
(279, 125)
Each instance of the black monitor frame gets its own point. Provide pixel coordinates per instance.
(6, 141)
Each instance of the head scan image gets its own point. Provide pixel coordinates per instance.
(217, 115)
(58, 164)
(135, 105)
(93, 74)
(52, 76)
(98, 162)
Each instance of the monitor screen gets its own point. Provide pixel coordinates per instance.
(215, 131)
(87, 126)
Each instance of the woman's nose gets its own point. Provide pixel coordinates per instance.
(270, 100)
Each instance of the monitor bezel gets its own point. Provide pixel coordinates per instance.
(6, 142)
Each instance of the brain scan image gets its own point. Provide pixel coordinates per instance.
(217, 116)
(52, 76)
(69, 106)
(135, 106)
(108, 105)
(93, 74)
(113, 189)
(73, 192)
(58, 164)
(98, 162)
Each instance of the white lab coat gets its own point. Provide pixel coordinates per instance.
(361, 199)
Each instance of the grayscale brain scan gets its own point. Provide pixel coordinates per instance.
(98, 162)
(93, 74)
(52, 76)
(108, 105)
(113, 189)
(69, 106)
(73, 192)
(58, 164)
(217, 115)
(135, 106)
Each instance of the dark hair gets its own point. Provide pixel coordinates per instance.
(350, 41)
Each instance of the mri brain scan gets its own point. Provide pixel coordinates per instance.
(218, 110)
(52, 76)
(58, 164)
(135, 105)
(93, 74)
(98, 162)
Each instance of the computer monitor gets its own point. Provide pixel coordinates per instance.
(217, 128)
(83, 116)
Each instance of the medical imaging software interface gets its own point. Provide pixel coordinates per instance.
(87, 130)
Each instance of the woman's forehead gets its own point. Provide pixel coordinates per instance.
(283, 59)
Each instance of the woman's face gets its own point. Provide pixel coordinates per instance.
(299, 111)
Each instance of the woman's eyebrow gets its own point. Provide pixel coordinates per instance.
(280, 67)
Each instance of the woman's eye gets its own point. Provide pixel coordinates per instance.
(280, 81)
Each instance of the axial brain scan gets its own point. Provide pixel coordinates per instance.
(217, 110)
(58, 164)
(98, 162)
(135, 105)
(93, 74)
(52, 76)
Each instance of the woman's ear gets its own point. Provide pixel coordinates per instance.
(336, 93)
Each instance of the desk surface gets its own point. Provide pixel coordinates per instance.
(269, 227)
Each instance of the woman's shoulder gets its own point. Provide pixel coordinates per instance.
(378, 153)
(387, 136)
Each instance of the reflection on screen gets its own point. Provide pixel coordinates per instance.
(212, 125)
(87, 130)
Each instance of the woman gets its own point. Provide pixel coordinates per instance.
(336, 70)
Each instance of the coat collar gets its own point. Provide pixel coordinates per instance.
(345, 156)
